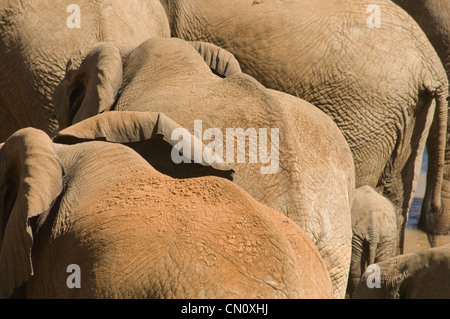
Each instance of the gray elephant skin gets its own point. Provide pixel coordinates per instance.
(38, 37)
(433, 16)
(379, 83)
(313, 178)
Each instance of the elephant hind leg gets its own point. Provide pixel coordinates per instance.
(358, 265)
(337, 269)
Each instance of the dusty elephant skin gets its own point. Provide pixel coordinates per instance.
(37, 39)
(421, 275)
(138, 233)
(376, 83)
(314, 182)
(433, 16)
(374, 225)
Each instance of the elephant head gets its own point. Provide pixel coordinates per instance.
(95, 82)
(33, 169)
(92, 87)
(420, 275)
(137, 233)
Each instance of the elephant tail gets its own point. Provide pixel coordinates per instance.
(432, 207)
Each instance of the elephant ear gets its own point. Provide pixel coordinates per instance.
(89, 88)
(167, 146)
(220, 61)
(31, 179)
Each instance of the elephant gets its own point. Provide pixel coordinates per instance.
(309, 174)
(38, 37)
(433, 16)
(374, 226)
(134, 232)
(367, 65)
(420, 275)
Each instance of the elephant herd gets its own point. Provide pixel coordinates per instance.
(222, 149)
